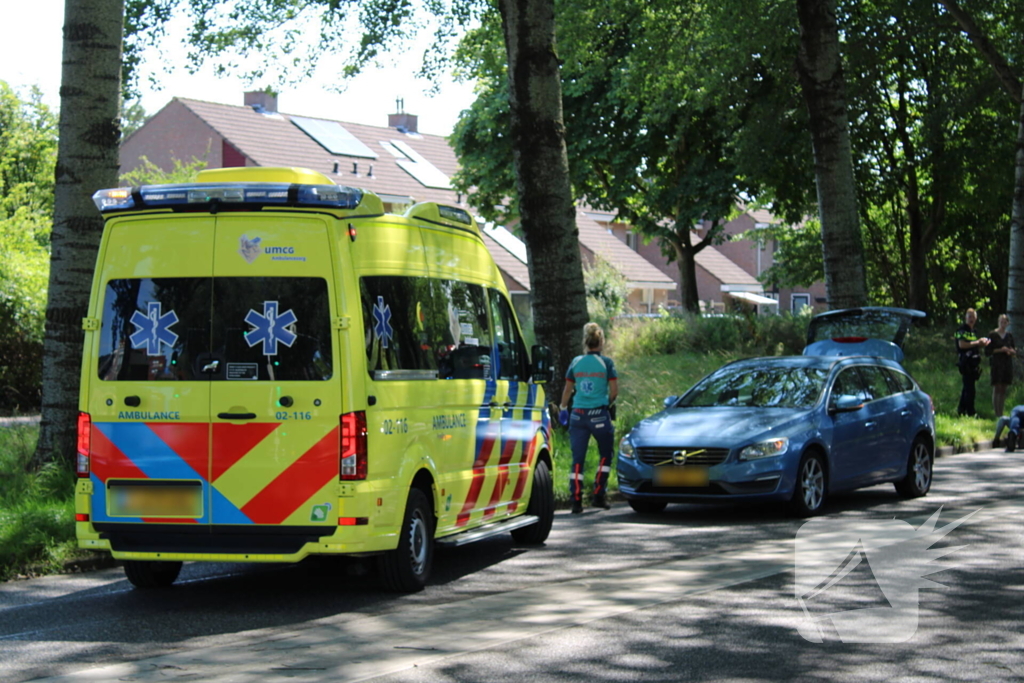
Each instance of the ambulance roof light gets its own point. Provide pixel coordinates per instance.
(207, 194)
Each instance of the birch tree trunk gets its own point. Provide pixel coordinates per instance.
(542, 181)
(819, 65)
(1015, 284)
(87, 160)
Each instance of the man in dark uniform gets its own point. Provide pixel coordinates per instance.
(968, 347)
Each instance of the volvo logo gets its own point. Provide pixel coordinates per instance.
(679, 457)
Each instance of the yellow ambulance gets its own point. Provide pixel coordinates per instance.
(274, 368)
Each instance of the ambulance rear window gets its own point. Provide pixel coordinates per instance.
(213, 329)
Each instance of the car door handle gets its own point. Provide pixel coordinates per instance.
(507, 404)
(904, 412)
(870, 424)
(211, 366)
(492, 404)
(237, 416)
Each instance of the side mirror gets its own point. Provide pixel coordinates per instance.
(846, 404)
(670, 400)
(542, 369)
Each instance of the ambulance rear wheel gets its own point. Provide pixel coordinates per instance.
(151, 574)
(542, 506)
(407, 568)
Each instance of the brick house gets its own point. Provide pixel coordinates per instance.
(403, 167)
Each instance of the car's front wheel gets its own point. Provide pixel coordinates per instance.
(811, 486)
(646, 507)
(919, 471)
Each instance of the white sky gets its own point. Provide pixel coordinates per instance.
(30, 54)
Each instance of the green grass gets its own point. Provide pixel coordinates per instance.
(37, 516)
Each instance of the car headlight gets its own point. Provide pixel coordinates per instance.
(764, 449)
(626, 448)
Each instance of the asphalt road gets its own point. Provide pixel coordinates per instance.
(698, 592)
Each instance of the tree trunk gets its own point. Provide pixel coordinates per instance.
(542, 181)
(685, 257)
(819, 65)
(1015, 284)
(87, 160)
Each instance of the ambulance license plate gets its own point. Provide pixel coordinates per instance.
(675, 475)
(155, 499)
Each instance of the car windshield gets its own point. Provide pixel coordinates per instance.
(761, 387)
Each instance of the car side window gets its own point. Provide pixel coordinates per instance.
(899, 381)
(875, 381)
(849, 383)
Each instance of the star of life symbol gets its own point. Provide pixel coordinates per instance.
(153, 329)
(587, 386)
(382, 322)
(890, 554)
(270, 328)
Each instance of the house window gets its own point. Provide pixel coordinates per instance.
(798, 301)
(631, 240)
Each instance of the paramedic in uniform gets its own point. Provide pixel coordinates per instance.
(594, 378)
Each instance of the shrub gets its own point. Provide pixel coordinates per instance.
(24, 274)
(607, 292)
(731, 335)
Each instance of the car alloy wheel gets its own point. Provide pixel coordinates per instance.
(922, 467)
(809, 495)
(918, 480)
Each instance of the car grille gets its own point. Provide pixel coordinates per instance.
(709, 457)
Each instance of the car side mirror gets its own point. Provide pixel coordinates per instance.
(670, 400)
(846, 404)
(542, 369)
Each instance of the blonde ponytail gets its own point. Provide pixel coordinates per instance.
(593, 337)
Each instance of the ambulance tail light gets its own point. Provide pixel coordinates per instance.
(353, 446)
(84, 439)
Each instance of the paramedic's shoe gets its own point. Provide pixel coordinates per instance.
(601, 502)
(1011, 442)
(577, 507)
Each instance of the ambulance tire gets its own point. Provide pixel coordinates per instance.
(151, 574)
(542, 505)
(407, 568)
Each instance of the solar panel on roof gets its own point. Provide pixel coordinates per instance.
(333, 137)
(419, 168)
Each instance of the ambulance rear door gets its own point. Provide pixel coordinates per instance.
(275, 396)
(148, 398)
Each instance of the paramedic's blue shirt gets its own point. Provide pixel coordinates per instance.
(591, 373)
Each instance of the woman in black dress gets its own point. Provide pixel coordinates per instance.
(1001, 351)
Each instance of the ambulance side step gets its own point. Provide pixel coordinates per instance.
(502, 527)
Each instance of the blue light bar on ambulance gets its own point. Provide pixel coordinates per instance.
(197, 195)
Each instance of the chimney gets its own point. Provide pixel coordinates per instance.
(262, 101)
(405, 123)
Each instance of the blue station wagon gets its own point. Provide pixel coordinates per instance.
(793, 429)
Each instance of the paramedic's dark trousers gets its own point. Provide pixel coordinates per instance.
(582, 424)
